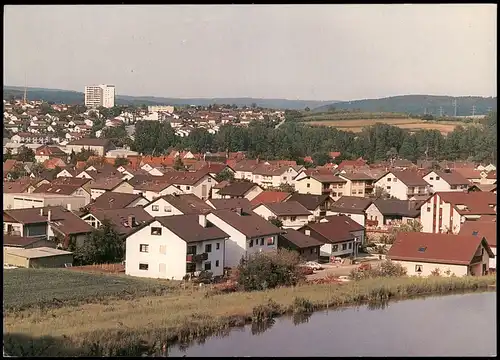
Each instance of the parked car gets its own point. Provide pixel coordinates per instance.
(313, 265)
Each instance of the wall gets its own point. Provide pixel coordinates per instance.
(397, 188)
(252, 194)
(373, 213)
(315, 188)
(99, 150)
(493, 261)
(151, 195)
(359, 218)
(51, 261)
(124, 187)
(95, 193)
(337, 248)
(15, 260)
(427, 268)
(197, 188)
(437, 185)
(287, 221)
(27, 201)
(165, 209)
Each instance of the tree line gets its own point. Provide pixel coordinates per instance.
(294, 140)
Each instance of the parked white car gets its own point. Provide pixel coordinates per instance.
(313, 265)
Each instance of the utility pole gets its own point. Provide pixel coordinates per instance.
(455, 105)
(473, 110)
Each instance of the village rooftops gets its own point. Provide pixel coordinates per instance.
(188, 204)
(121, 218)
(248, 223)
(473, 203)
(289, 208)
(481, 228)
(231, 204)
(395, 207)
(70, 181)
(114, 200)
(21, 241)
(436, 248)
(90, 142)
(334, 230)
(410, 178)
(237, 188)
(300, 239)
(18, 186)
(268, 197)
(451, 177)
(183, 177)
(56, 189)
(269, 170)
(188, 228)
(351, 204)
(327, 178)
(358, 176)
(309, 201)
(107, 183)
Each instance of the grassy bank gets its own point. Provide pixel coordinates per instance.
(143, 324)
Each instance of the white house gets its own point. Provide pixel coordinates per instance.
(173, 246)
(291, 213)
(238, 189)
(446, 181)
(248, 234)
(174, 204)
(197, 183)
(444, 254)
(352, 206)
(403, 185)
(486, 228)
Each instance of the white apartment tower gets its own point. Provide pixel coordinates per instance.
(100, 95)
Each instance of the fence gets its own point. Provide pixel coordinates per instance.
(106, 268)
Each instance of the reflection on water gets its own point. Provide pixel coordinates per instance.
(261, 327)
(421, 327)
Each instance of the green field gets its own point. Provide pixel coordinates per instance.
(23, 288)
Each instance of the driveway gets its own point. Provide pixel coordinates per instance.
(338, 270)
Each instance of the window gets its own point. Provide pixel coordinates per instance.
(335, 248)
(156, 231)
(293, 218)
(209, 180)
(308, 185)
(155, 207)
(191, 250)
(437, 177)
(350, 245)
(474, 233)
(431, 178)
(216, 263)
(261, 241)
(188, 187)
(418, 269)
(388, 179)
(163, 249)
(395, 180)
(208, 248)
(208, 266)
(344, 246)
(167, 209)
(270, 241)
(308, 232)
(217, 246)
(144, 248)
(143, 266)
(388, 188)
(251, 243)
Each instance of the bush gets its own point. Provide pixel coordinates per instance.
(386, 269)
(268, 270)
(266, 312)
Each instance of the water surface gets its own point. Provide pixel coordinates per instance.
(453, 325)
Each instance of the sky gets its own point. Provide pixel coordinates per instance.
(307, 52)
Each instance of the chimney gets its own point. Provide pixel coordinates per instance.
(202, 220)
(239, 211)
(131, 221)
(68, 206)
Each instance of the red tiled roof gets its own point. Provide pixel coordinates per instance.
(268, 197)
(468, 173)
(410, 178)
(492, 175)
(477, 203)
(481, 228)
(436, 248)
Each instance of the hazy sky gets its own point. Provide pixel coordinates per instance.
(317, 52)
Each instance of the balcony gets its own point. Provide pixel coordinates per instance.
(196, 258)
(477, 259)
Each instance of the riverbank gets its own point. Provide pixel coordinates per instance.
(144, 324)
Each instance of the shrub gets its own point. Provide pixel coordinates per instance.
(268, 270)
(436, 272)
(266, 312)
(386, 269)
(301, 305)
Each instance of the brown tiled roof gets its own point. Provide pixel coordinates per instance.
(188, 228)
(24, 216)
(324, 178)
(56, 189)
(492, 175)
(395, 207)
(248, 223)
(468, 173)
(410, 178)
(289, 208)
(18, 186)
(237, 188)
(344, 222)
(338, 229)
(452, 177)
(114, 200)
(183, 177)
(119, 218)
(477, 203)
(358, 176)
(228, 204)
(486, 187)
(435, 248)
(188, 204)
(481, 228)
(211, 167)
(245, 165)
(221, 185)
(70, 181)
(300, 240)
(107, 183)
(67, 223)
(351, 204)
(268, 197)
(8, 165)
(20, 241)
(90, 142)
(309, 201)
(269, 170)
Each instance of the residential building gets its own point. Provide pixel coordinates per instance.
(115, 200)
(307, 246)
(174, 204)
(99, 146)
(40, 257)
(197, 183)
(171, 247)
(340, 234)
(109, 184)
(382, 214)
(46, 152)
(270, 196)
(319, 184)
(318, 205)
(248, 234)
(152, 187)
(161, 108)
(28, 201)
(25, 242)
(446, 254)
(100, 95)
(291, 213)
(486, 227)
(230, 204)
(447, 211)
(124, 221)
(352, 206)
(357, 184)
(239, 189)
(244, 169)
(71, 190)
(403, 185)
(446, 180)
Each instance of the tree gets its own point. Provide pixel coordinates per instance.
(25, 154)
(17, 171)
(320, 158)
(121, 161)
(8, 155)
(380, 192)
(178, 164)
(286, 188)
(225, 175)
(276, 222)
(103, 245)
(307, 108)
(411, 226)
(37, 169)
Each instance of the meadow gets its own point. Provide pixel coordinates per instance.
(143, 321)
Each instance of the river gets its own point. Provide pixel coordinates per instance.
(453, 325)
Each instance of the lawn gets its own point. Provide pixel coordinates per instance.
(24, 288)
(120, 324)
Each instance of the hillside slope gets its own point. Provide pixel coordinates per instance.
(75, 97)
(418, 104)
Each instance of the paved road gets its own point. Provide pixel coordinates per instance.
(337, 270)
